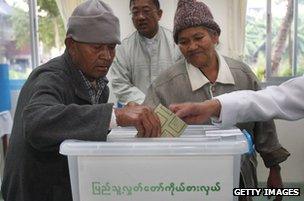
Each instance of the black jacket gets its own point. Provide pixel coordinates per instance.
(53, 106)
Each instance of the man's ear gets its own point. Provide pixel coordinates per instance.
(68, 42)
(70, 46)
(159, 13)
(215, 38)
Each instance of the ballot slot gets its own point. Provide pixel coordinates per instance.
(204, 132)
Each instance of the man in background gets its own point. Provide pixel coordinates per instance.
(143, 55)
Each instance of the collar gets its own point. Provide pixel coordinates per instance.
(150, 40)
(198, 79)
(100, 82)
(95, 92)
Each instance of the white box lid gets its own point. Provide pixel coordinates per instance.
(193, 142)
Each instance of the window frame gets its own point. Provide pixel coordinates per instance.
(276, 80)
(34, 32)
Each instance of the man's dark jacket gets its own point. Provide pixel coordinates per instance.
(54, 105)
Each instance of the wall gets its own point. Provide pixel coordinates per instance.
(121, 9)
(291, 136)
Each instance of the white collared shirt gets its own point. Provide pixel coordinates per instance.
(151, 44)
(139, 61)
(283, 102)
(198, 79)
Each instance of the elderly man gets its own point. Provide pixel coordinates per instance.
(66, 98)
(204, 74)
(143, 55)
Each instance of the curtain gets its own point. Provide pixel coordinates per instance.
(230, 14)
(66, 8)
(236, 28)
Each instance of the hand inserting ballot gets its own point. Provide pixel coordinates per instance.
(142, 118)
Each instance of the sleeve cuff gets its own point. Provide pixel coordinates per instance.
(275, 157)
(228, 112)
(113, 122)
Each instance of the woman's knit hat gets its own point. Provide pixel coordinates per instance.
(190, 13)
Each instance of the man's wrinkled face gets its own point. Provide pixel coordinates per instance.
(145, 17)
(197, 45)
(94, 60)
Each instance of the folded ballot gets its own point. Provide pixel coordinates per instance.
(171, 125)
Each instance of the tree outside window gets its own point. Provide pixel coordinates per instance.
(282, 12)
(15, 38)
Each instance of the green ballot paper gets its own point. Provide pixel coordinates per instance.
(171, 125)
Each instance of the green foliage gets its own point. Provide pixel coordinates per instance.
(259, 67)
(49, 6)
(47, 31)
(260, 73)
(301, 33)
(13, 74)
(285, 71)
(20, 24)
(300, 70)
(49, 26)
(256, 38)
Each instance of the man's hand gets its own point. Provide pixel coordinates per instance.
(143, 118)
(132, 103)
(197, 113)
(275, 180)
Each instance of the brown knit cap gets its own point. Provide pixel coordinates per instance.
(190, 13)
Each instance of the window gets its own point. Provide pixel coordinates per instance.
(274, 45)
(51, 30)
(16, 36)
(15, 47)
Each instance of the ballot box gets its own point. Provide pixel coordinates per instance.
(201, 165)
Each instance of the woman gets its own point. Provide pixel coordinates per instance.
(203, 74)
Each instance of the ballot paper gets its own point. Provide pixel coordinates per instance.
(171, 125)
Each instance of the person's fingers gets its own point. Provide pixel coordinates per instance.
(158, 125)
(269, 185)
(131, 104)
(192, 120)
(140, 128)
(185, 110)
(178, 106)
(182, 112)
(155, 123)
(188, 120)
(174, 107)
(148, 127)
(144, 117)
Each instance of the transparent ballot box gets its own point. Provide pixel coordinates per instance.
(202, 164)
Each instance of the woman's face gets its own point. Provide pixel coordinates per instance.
(197, 44)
